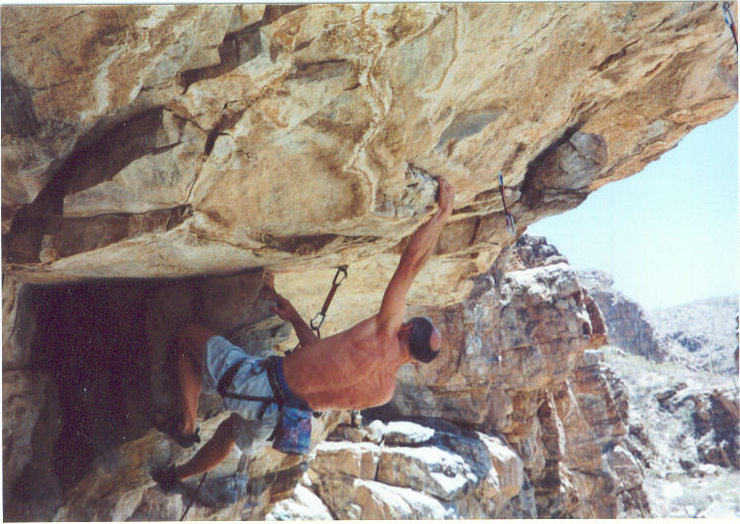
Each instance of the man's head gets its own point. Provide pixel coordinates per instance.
(424, 339)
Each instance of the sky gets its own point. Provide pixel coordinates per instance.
(669, 234)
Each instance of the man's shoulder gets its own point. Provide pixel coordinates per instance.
(374, 328)
(370, 335)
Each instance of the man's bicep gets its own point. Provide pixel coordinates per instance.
(394, 298)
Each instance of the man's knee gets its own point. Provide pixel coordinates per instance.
(193, 338)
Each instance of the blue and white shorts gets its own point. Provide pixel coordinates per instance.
(251, 431)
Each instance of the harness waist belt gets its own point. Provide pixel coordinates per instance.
(225, 381)
(274, 369)
(273, 366)
(292, 433)
(274, 376)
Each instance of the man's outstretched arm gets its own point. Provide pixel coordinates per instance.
(416, 254)
(285, 310)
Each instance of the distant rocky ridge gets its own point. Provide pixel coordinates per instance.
(679, 365)
(703, 332)
(627, 321)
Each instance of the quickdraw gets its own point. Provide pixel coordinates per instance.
(730, 21)
(510, 225)
(318, 320)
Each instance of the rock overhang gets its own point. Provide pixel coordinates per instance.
(300, 138)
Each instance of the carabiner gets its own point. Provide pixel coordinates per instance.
(501, 190)
(320, 315)
(341, 270)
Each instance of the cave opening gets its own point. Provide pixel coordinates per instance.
(94, 341)
(102, 356)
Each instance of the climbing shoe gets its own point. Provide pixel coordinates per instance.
(166, 479)
(187, 441)
(170, 425)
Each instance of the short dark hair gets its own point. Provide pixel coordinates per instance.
(421, 333)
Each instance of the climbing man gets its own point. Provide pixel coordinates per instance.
(353, 369)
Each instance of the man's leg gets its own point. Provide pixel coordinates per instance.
(212, 453)
(192, 344)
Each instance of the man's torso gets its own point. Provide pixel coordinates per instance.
(354, 369)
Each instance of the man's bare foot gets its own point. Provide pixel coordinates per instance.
(173, 426)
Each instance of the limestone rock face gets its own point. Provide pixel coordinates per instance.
(523, 328)
(163, 141)
(148, 152)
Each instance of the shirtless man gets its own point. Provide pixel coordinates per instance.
(354, 369)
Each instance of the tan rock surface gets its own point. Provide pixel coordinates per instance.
(193, 142)
(450, 474)
(181, 140)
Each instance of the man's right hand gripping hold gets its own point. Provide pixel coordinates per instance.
(353, 369)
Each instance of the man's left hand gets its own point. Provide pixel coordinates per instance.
(445, 196)
(283, 308)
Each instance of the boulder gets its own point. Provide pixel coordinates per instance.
(453, 473)
(305, 505)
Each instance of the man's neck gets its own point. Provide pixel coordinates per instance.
(404, 355)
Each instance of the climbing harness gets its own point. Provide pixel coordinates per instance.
(292, 433)
(730, 21)
(510, 225)
(197, 491)
(339, 277)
